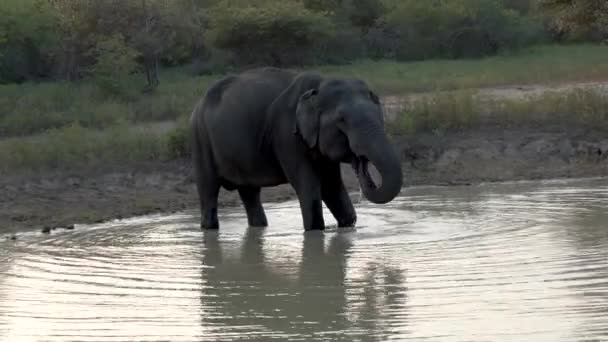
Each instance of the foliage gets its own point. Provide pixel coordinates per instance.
(178, 140)
(463, 110)
(114, 58)
(31, 108)
(359, 13)
(579, 17)
(458, 28)
(26, 35)
(452, 111)
(537, 65)
(277, 33)
(71, 40)
(75, 146)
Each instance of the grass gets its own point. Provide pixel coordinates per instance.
(464, 110)
(84, 124)
(27, 109)
(33, 108)
(75, 146)
(540, 64)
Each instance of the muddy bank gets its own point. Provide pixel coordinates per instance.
(61, 199)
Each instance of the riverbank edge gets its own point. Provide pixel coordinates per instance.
(65, 198)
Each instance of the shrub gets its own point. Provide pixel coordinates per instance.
(437, 113)
(26, 34)
(344, 46)
(178, 140)
(76, 146)
(462, 110)
(274, 32)
(458, 28)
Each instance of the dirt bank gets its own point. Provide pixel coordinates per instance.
(61, 199)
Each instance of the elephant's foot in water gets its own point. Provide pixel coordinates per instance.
(209, 219)
(337, 201)
(256, 216)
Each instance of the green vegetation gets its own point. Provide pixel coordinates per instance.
(76, 147)
(105, 39)
(79, 79)
(463, 110)
(33, 108)
(580, 18)
(540, 64)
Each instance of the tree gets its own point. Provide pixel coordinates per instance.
(273, 32)
(26, 34)
(579, 17)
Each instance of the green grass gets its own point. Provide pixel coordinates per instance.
(27, 109)
(33, 108)
(540, 64)
(83, 124)
(463, 110)
(75, 147)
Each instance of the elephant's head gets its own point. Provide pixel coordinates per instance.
(343, 120)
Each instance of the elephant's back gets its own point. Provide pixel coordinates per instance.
(246, 95)
(235, 117)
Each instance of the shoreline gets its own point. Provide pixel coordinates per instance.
(64, 198)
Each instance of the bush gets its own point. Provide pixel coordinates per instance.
(463, 110)
(26, 34)
(36, 108)
(178, 140)
(276, 33)
(458, 28)
(76, 146)
(344, 46)
(437, 113)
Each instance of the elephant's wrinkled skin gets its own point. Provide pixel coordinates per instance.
(268, 126)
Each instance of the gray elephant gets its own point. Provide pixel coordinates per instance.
(268, 126)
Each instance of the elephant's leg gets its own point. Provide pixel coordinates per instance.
(308, 188)
(207, 185)
(311, 208)
(208, 192)
(336, 197)
(250, 196)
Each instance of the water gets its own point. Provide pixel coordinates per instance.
(508, 262)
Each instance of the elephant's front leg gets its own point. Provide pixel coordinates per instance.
(307, 185)
(336, 197)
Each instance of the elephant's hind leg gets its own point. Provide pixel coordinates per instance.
(208, 192)
(250, 196)
(207, 185)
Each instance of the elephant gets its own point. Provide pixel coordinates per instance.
(269, 126)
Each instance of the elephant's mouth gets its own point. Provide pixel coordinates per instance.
(361, 167)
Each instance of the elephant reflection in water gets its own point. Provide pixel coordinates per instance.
(254, 294)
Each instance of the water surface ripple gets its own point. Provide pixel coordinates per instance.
(504, 262)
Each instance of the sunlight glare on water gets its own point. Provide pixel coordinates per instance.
(503, 262)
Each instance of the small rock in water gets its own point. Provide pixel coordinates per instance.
(46, 230)
(70, 227)
(13, 237)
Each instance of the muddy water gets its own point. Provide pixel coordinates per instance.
(508, 262)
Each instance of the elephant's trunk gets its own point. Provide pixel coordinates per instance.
(382, 155)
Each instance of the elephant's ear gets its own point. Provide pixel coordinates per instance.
(308, 117)
(295, 100)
